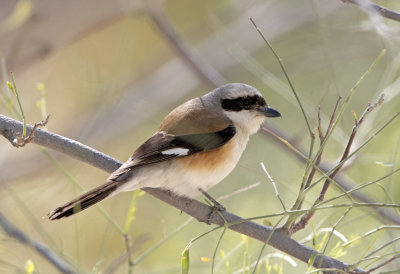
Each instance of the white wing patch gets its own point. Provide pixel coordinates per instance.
(176, 151)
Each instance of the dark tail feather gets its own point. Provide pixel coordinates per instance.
(84, 201)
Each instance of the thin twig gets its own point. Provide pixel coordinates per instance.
(216, 249)
(328, 130)
(291, 222)
(306, 218)
(383, 264)
(366, 234)
(349, 97)
(274, 185)
(129, 252)
(54, 259)
(275, 227)
(322, 139)
(356, 188)
(239, 191)
(320, 134)
(21, 139)
(334, 228)
(349, 143)
(121, 259)
(14, 90)
(370, 6)
(286, 75)
(355, 151)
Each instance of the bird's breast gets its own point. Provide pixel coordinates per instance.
(214, 159)
(218, 163)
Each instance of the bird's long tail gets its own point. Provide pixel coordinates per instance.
(84, 201)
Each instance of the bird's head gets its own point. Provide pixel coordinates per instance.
(243, 105)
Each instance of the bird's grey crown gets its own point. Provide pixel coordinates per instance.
(234, 90)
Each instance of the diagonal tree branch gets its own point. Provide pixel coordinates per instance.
(13, 232)
(372, 7)
(203, 70)
(9, 128)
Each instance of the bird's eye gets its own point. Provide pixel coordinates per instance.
(246, 102)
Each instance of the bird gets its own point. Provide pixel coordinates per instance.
(196, 146)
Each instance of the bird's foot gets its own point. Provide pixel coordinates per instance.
(217, 207)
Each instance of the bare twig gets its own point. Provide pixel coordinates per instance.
(320, 134)
(370, 6)
(274, 185)
(349, 143)
(306, 218)
(291, 223)
(127, 240)
(333, 117)
(287, 78)
(383, 264)
(194, 208)
(239, 191)
(322, 139)
(21, 140)
(55, 260)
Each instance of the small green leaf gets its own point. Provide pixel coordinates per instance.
(354, 115)
(131, 212)
(384, 164)
(41, 87)
(29, 267)
(185, 261)
(267, 222)
(10, 87)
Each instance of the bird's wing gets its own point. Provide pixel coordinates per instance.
(161, 147)
(193, 117)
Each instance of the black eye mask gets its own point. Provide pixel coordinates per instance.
(241, 103)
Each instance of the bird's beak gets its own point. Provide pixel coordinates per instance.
(270, 112)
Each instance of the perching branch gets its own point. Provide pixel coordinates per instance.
(198, 210)
(21, 140)
(17, 234)
(372, 7)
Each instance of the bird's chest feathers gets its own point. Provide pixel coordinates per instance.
(222, 159)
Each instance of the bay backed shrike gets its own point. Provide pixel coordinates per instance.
(196, 146)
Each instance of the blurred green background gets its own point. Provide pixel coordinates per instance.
(110, 75)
